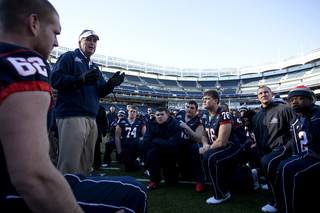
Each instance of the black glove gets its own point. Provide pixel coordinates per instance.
(116, 79)
(88, 78)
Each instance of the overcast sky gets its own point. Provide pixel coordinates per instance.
(194, 34)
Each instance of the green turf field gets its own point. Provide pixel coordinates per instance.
(184, 198)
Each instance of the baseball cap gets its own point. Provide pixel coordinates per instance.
(300, 91)
(121, 112)
(244, 107)
(87, 33)
(277, 99)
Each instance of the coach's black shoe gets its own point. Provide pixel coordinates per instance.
(93, 174)
(97, 168)
(152, 186)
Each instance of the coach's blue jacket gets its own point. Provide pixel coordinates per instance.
(72, 101)
(165, 136)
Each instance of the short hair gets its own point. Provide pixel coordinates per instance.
(264, 86)
(13, 13)
(162, 109)
(194, 103)
(212, 93)
(134, 107)
(225, 105)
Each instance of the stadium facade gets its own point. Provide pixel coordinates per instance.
(153, 85)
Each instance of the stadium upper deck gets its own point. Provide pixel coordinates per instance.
(204, 73)
(152, 83)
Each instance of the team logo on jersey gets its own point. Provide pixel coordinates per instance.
(179, 116)
(274, 121)
(204, 116)
(123, 122)
(78, 59)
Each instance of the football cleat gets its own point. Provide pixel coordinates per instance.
(269, 208)
(146, 172)
(152, 186)
(199, 187)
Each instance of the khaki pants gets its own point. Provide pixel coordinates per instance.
(77, 138)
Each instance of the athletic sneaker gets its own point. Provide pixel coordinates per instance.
(265, 187)
(137, 164)
(213, 200)
(269, 208)
(199, 187)
(105, 165)
(152, 186)
(146, 172)
(255, 179)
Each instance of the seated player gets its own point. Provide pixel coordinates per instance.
(111, 145)
(298, 183)
(161, 143)
(128, 136)
(221, 148)
(191, 133)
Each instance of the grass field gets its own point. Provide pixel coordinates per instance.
(183, 198)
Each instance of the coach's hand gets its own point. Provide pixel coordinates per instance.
(88, 78)
(116, 79)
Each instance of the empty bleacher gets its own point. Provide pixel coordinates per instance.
(180, 93)
(208, 84)
(273, 78)
(289, 85)
(229, 91)
(316, 70)
(144, 89)
(151, 81)
(309, 82)
(161, 91)
(229, 83)
(297, 74)
(194, 93)
(127, 87)
(250, 81)
(132, 79)
(169, 83)
(188, 84)
(250, 90)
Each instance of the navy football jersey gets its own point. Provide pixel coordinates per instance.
(22, 69)
(211, 125)
(305, 132)
(238, 129)
(193, 124)
(130, 132)
(113, 127)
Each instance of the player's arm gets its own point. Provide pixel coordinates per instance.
(205, 142)
(223, 136)
(143, 131)
(196, 137)
(117, 138)
(24, 139)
